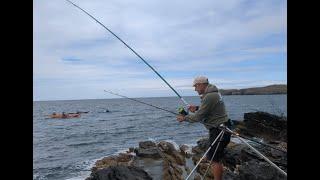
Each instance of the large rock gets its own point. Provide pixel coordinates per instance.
(204, 169)
(229, 175)
(171, 171)
(264, 125)
(185, 150)
(147, 144)
(170, 153)
(253, 170)
(121, 159)
(233, 155)
(152, 152)
(197, 150)
(166, 147)
(203, 143)
(237, 154)
(172, 159)
(120, 173)
(147, 149)
(271, 120)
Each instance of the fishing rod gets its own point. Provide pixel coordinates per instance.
(185, 102)
(142, 102)
(237, 134)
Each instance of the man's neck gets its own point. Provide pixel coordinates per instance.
(205, 90)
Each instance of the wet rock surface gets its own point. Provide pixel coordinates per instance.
(264, 125)
(120, 173)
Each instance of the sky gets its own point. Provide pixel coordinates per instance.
(235, 43)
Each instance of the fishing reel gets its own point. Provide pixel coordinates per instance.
(182, 111)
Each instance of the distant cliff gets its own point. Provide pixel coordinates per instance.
(272, 89)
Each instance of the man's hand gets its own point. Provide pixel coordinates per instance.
(192, 108)
(181, 118)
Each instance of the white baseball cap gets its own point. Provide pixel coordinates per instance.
(200, 79)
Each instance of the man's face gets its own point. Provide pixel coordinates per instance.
(200, 88)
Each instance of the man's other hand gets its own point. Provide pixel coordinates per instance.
(181, 118)
(192, 108)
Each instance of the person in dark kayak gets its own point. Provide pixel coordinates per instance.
(104, 111)
(78, 112)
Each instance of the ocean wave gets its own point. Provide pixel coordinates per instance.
(83, 143)
(86, 170)
(122, 150)
(133, 114)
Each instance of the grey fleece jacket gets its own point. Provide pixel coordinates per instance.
(212, 109)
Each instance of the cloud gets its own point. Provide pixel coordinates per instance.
(179, 39)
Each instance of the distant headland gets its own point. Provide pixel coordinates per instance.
(271, 89)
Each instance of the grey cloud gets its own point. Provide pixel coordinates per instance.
(166, 33)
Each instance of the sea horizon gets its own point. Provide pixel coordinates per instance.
(148, 97)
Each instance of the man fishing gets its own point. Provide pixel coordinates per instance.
(211, 112)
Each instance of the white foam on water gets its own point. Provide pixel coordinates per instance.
(91, 163)
(82, 175)
(37, 176)
(86, 173)
(122, 150)
(191, 145)
(152, 139)
(87, 170)
(176, 146)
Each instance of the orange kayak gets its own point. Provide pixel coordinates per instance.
(63, 116)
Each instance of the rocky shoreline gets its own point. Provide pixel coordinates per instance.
(163, 160)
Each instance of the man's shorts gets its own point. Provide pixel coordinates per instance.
(213, 133)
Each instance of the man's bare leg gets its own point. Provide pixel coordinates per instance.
(217, 170)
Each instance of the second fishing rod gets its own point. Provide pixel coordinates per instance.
(183, 112)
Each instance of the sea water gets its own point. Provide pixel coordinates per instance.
(68, 148)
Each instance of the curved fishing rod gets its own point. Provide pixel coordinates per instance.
(185, 102)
